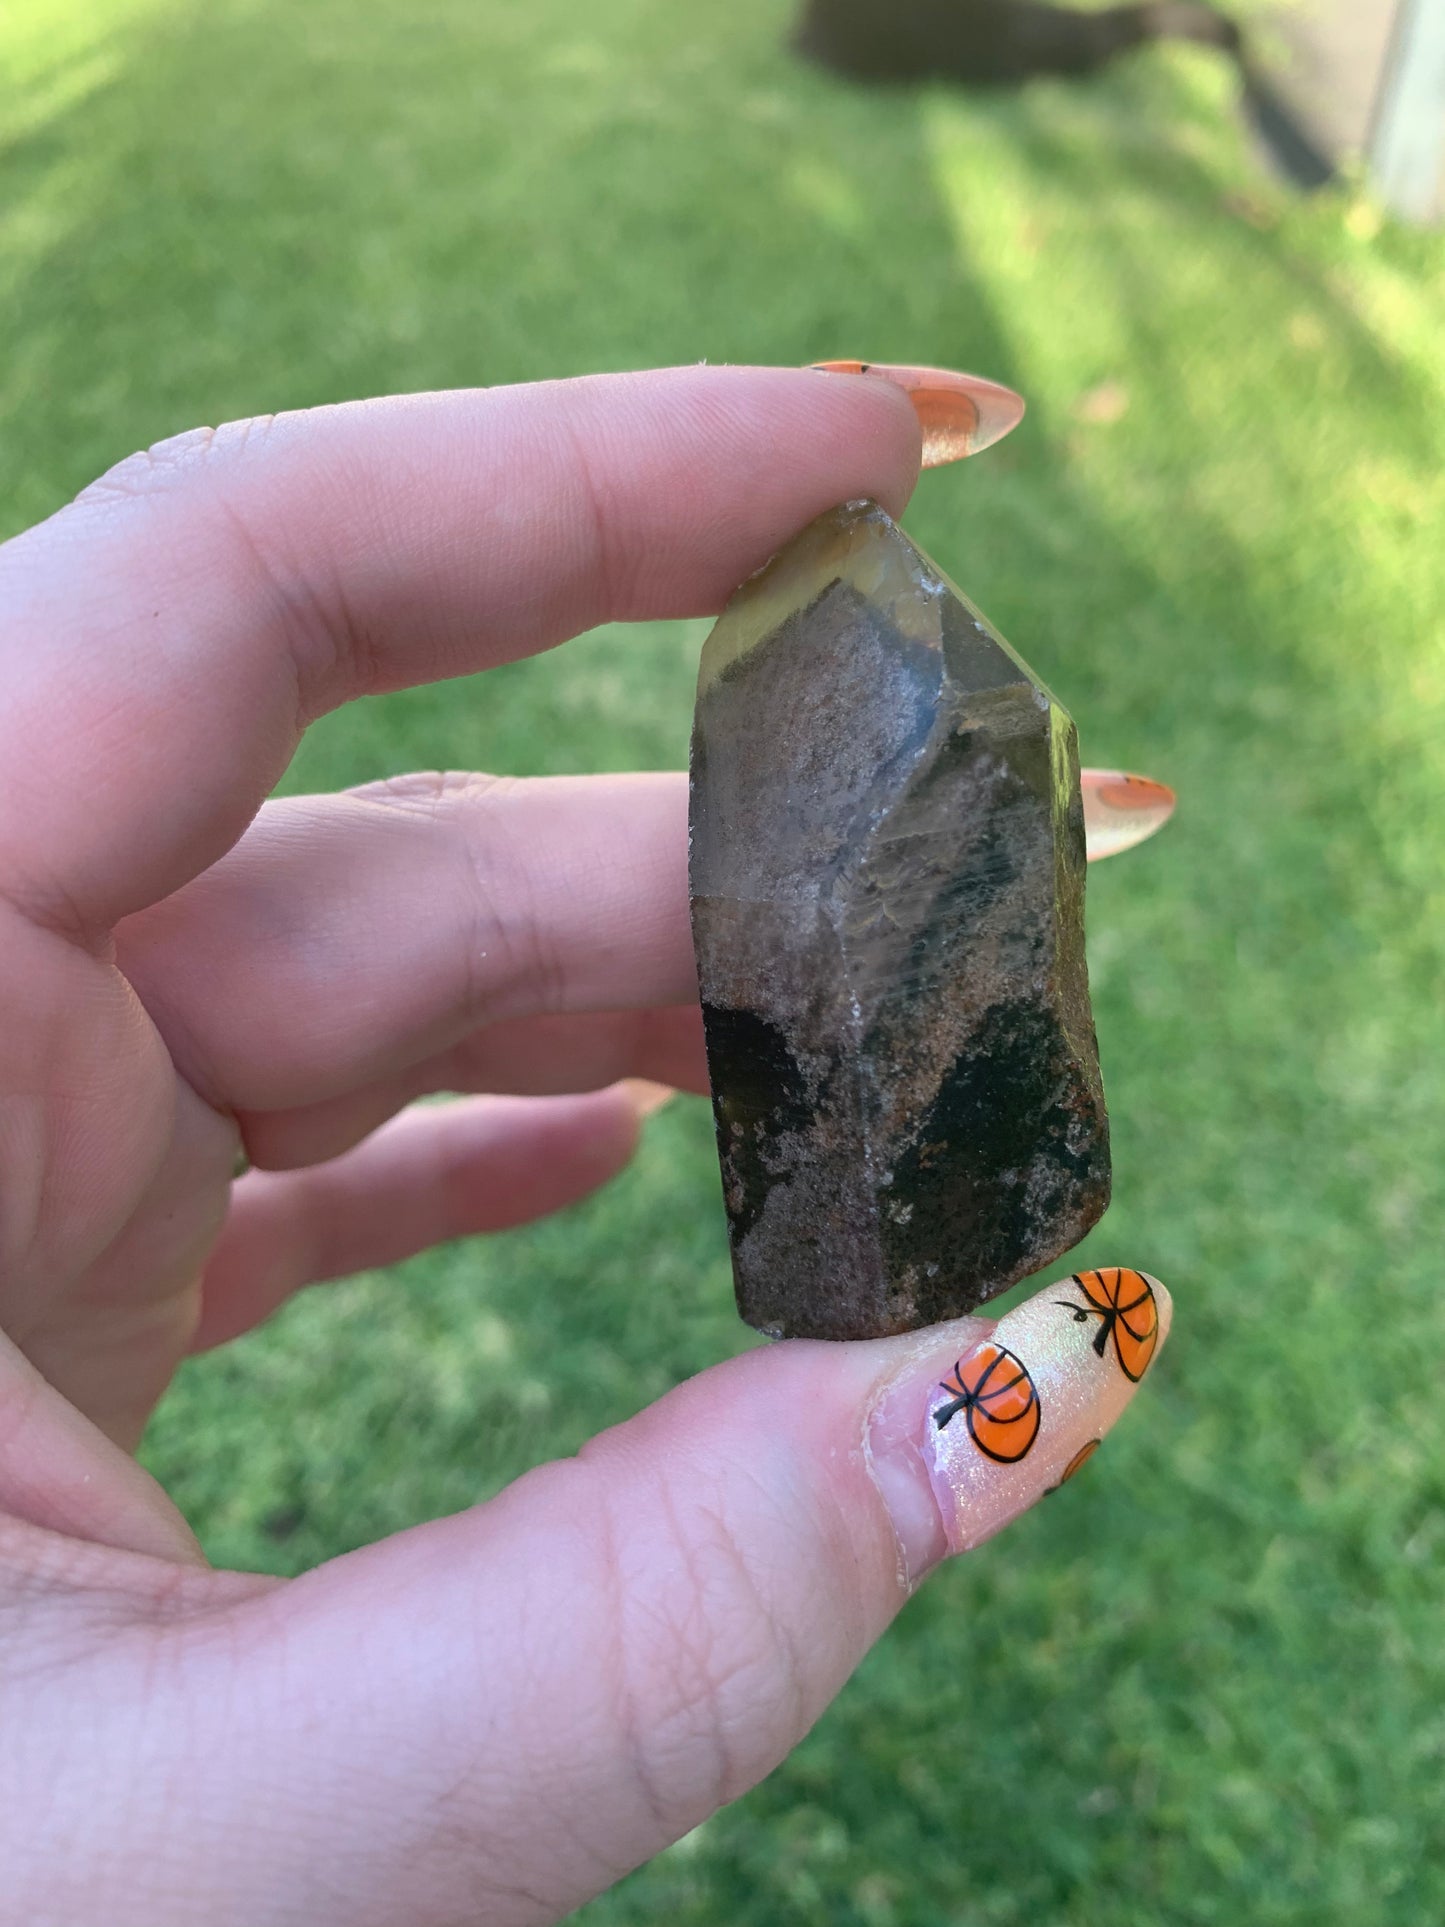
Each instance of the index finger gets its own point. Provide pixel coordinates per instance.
(172, 632)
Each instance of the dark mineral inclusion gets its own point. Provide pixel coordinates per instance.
(888, 906)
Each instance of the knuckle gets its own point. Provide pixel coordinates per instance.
(432, 793)
(334, 651)
(149, 470)
(177, 461)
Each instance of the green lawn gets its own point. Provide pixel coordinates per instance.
(1208, 1684)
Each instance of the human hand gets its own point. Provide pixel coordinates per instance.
(495, 1715)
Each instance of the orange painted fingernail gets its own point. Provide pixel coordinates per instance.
(959, 414)
(1121, 810)
(646, 1096)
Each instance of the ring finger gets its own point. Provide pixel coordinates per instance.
(528, 1057)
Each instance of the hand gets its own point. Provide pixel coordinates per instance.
(495, 1715)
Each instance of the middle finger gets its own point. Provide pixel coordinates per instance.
(350, 944)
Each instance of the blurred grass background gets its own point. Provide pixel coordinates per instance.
(1207, 1684)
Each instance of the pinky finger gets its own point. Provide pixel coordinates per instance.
(434, 1173)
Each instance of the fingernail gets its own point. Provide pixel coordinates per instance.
(959, 414)
(646, 1096)
(967, 1437)
(1121, 810)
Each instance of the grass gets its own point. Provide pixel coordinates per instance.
(1207, 1685)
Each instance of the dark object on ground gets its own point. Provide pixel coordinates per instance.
(888, 907)
(1001, 42)
(1289, 145)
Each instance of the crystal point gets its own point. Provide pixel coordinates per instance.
(888, 890)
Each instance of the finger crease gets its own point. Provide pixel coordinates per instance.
(604, 561)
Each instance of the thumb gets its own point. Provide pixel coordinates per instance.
(495, 1716)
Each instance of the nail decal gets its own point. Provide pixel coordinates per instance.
(1120, 810)
(1076, 1464)
(959, 414)
(1022, 1411)
(1123, 1302)
(994, 1390)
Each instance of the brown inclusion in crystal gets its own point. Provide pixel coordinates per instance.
(888, 907)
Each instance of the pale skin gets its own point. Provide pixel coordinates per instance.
(493, 1716)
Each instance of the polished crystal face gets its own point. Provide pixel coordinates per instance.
(888, 897)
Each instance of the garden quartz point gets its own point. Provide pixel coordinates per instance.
(887, 870)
